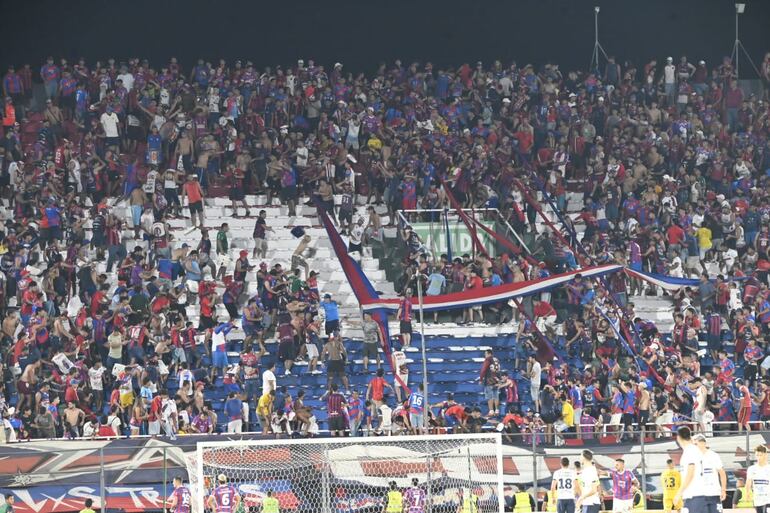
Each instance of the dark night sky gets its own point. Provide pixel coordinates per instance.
(361, 33)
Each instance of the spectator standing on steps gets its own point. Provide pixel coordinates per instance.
(404, 316)
(234, 412)
(372, 341)
(335, 357)
(534, 371)
(332, 315)
(192, 190)
(335, 409)
(490, 378)
(260, 235)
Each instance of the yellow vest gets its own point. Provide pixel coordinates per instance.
(395, 501)
(550, 502)
(747, 501)
(469, 504)
(269, 505)
(522, 503)
(640, 504)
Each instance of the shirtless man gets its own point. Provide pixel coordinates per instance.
(186, 150)
(10, 323)
(297, 259)
(61, 328)
(326, 194)
(55, 118)
(374, 226)
(644, 404)
(137, 200)
(202, 162)
(73, 419)
(26, 385)
(243, 162)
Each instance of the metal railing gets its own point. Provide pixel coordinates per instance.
(440, 216)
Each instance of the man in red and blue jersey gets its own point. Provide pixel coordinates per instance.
(404, 315)
(355, 412)
(623, 482)
(726, 369)
(224, 498)
(181, 500)
(67, 87)
(50, 74)
(13, 87)
(414, 498)
(417, 410)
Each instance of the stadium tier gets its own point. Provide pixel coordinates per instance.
(400, 263)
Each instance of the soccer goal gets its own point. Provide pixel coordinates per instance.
(355, 474)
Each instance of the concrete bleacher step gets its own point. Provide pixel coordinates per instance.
(281, 246)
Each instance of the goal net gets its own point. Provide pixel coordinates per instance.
(354, 475)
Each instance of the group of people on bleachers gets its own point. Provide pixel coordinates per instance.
(671, 160)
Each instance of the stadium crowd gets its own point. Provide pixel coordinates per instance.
(672, 162)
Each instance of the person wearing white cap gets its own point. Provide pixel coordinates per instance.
(699, 78)
(713, 476)
(225, 497)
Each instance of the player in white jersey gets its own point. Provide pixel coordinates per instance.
(758, 481)
(564, 484)
(691, 491)
(713, 476)
(589, 498)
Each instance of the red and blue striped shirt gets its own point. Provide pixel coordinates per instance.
(621, 484)
(405, 310)
(12, 83)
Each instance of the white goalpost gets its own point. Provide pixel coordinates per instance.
(351, 475)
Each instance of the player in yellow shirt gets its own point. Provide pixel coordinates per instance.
(671, 481)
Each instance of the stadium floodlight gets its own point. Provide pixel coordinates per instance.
(738, 47)
(594, 66)
(349, 474)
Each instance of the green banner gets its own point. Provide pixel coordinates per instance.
(434, 236)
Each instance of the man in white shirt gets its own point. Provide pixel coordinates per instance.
(268, 379)
(111, 125)
(713, 476)
(535, 371)
(169, 415)
(564, 484)
(301, 155)
(758, 480)
(691, 491)
(669, 80)
(675, 269)
(127, 78)
(589, 498)
(356, 237)
(95, 378)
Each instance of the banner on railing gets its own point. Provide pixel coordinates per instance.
(434, 236)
